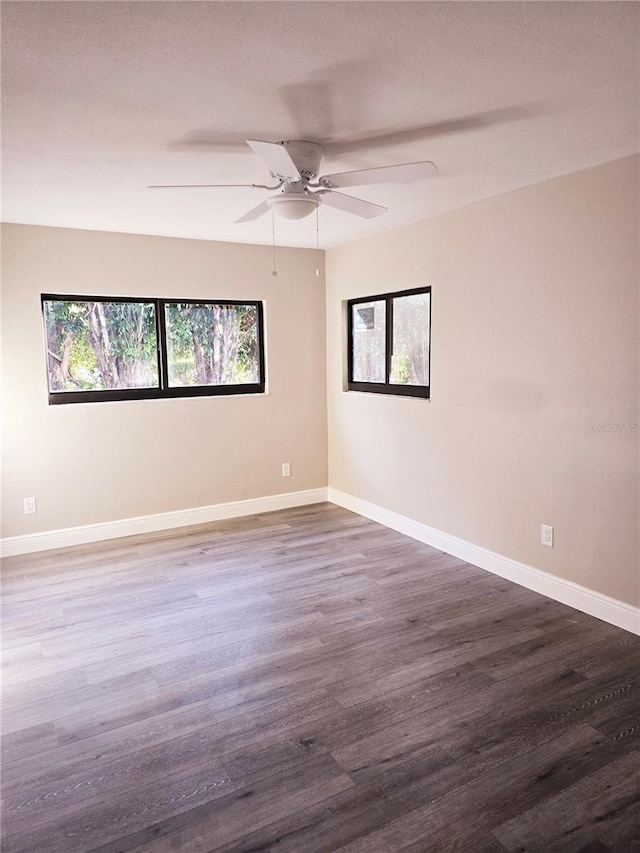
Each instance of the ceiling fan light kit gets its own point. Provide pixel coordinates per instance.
(295, 165)
(293, 205)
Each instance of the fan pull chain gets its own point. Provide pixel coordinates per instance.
(274, 271)
(317, 240)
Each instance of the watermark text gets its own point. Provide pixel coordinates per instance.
(620, 426)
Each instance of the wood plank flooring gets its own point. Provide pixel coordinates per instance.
(307, 680)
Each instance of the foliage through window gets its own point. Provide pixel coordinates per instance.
(101, 348)
(211, 344)
(389, 340)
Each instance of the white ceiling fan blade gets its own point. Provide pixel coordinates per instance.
(350, 204)
(276, 157)
(206, 186)
(404, 173)
(255, 212)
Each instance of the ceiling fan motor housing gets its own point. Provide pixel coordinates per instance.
(306, 155)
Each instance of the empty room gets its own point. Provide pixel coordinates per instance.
(320, 427)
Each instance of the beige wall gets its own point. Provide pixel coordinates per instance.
(100, 462)
(535, 338)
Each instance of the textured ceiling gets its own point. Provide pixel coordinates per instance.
(101, 99)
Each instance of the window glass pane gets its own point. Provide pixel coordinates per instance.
(212, 344)
(410, 359)
(95, 346)
(369, 331)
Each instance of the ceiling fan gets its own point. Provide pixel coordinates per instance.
(295, 166)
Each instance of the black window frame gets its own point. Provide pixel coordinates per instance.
(386, 387)
(164, 390)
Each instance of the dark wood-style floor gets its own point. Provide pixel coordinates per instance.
(307, 680)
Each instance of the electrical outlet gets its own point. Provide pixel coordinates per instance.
(29, 506)
(286, 469)
(546, 535)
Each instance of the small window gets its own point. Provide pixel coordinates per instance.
(389, 343)
(101, 348)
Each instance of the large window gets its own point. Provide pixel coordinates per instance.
(103, 348)
(389, 343)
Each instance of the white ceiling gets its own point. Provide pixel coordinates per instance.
(101, 99)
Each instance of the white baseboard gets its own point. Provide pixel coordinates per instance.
(14, 545)
(579, 597)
